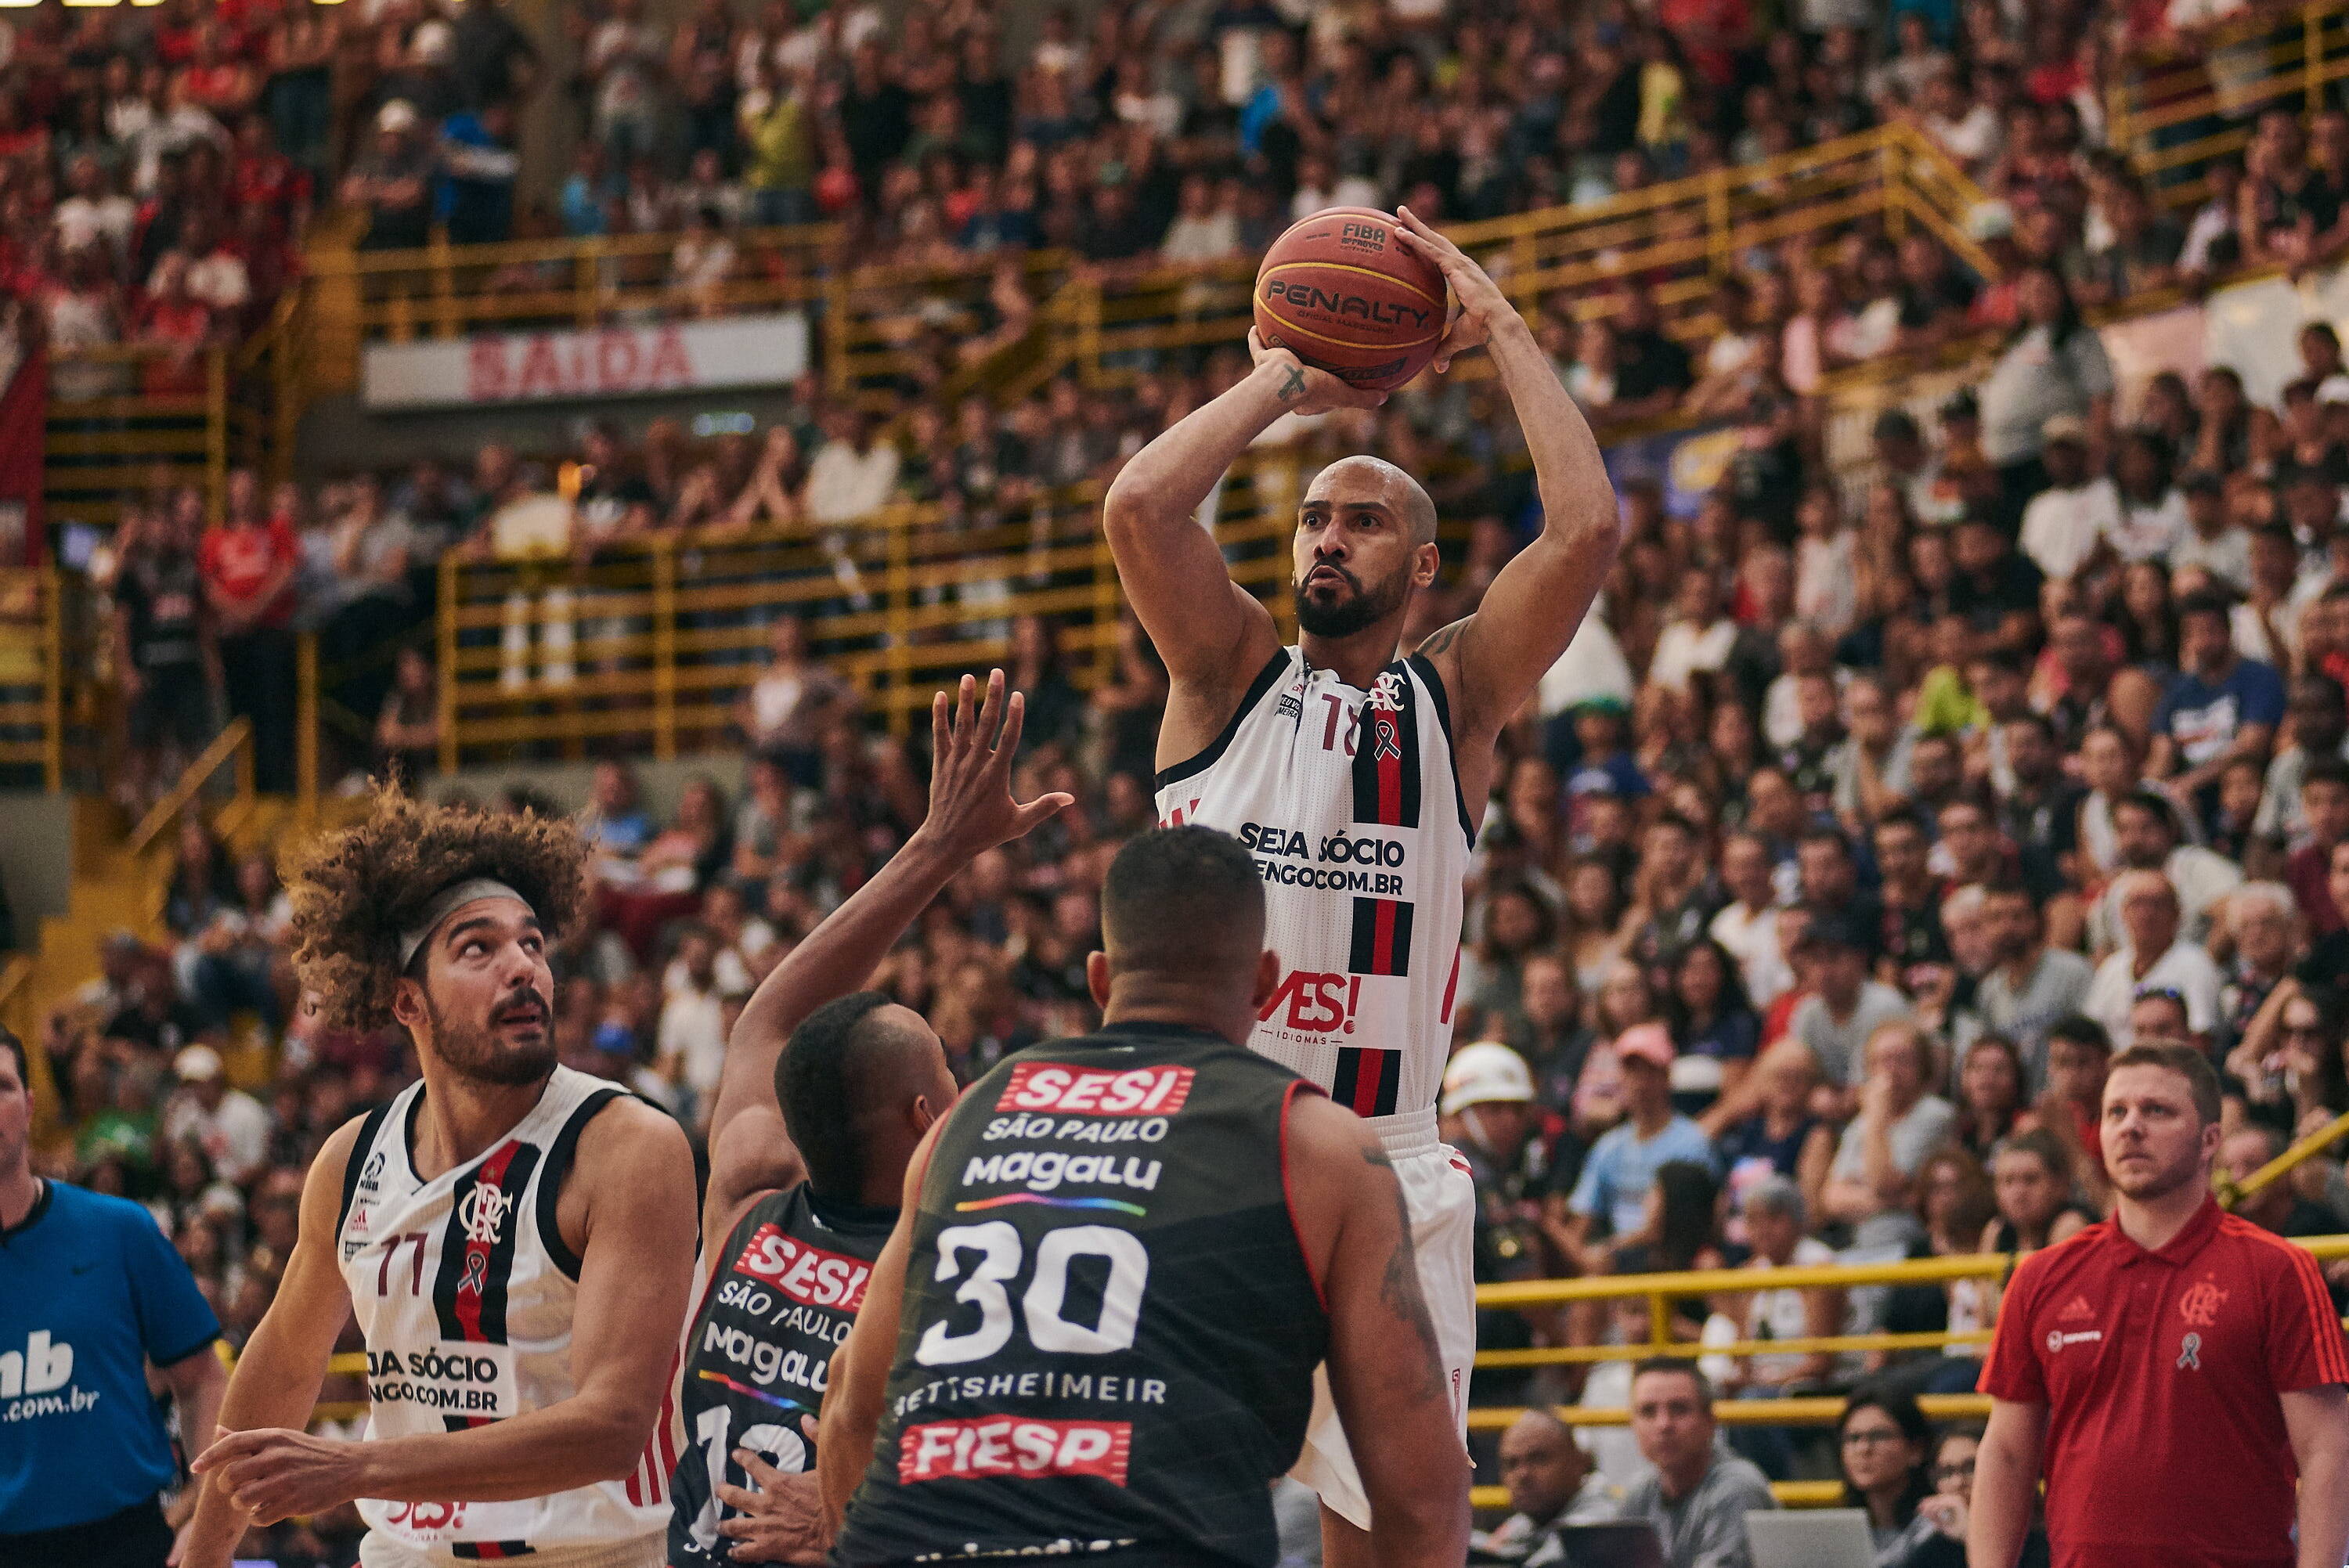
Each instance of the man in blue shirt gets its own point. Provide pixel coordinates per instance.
(2221, 707)
(91, 1294)
(1610, 1199)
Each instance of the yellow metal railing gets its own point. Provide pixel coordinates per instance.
(125, 422)
(2179, 107)
(1675, 241)
(232, 746)
(2231, 1192)
(349, 297)
(33, 674)
(1661, 1290)
(657, 639)
(937, 328)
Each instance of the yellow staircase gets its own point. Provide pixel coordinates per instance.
(119, 878)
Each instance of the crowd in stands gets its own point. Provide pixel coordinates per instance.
(160, 165)
(1812, 900)
(157, 167)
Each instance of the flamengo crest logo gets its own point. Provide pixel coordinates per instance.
(482, 1211)
(2200, 1304)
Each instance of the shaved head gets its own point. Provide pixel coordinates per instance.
(851, 1067)
(1365, 479)
(1365, 536)
(1184, 902)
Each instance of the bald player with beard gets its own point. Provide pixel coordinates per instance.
(1354, 776)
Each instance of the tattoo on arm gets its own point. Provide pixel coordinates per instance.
(1293, 387)
(1398, 1290)
(1443, 637)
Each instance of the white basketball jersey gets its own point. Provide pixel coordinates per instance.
(465, 1290)
(1349, 802)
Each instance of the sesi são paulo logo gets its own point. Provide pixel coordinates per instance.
(1096, 1091)
(809, 1276)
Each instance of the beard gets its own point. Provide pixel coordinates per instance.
(1356, 609)
(2143, 1183)
(475, 1051)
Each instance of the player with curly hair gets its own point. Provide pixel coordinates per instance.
(516, 1239)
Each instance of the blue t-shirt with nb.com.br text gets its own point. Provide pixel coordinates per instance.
(91, 1292)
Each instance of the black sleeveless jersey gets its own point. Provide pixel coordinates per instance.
(790, 1280)
(1108, 1328)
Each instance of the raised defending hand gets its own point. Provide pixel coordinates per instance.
(1302, 388)
(971, 807)
(1480, 308)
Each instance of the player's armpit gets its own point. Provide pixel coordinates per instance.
(1386, 1371)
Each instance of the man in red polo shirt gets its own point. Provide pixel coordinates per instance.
(2176, 1366)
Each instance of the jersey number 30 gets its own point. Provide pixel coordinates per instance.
(996, 1253)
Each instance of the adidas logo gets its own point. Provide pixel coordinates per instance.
(2076, 1310)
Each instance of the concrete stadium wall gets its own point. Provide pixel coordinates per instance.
(339, 435)
(37, 846)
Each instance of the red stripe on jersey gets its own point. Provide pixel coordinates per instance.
(1451, 988)
(1384, 941)
(2332, 1357)
(1390, 767)
(665, 1435)
(658, 1460)
(1366, 1083)
(491, 1175)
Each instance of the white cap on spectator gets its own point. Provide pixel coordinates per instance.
(2065, 428)
(397, 115)
(432, 42)
(197, 1064)
(1989, 221)
(1485, 1072)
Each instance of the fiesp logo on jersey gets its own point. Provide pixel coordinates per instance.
(1096, 1091)
(1317, 1004)
(809, 1276)
(1010, 1446)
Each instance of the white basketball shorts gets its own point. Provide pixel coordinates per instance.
(1440, 1196)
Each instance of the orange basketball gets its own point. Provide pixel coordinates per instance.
(1343, 295)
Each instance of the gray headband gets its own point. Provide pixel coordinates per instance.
(446, 902)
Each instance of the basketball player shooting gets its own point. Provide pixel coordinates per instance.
(516, 1238)
(1355, 777)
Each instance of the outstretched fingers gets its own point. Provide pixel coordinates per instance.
(1015, 715)
(991, 709)
(1042, 809)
